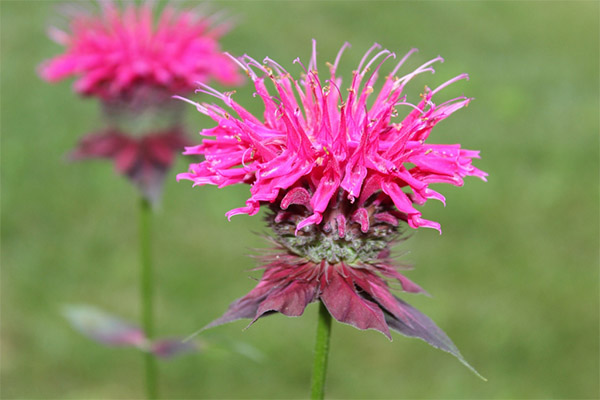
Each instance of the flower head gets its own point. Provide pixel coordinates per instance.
(116, 51)
(328, 143)
(135, 66)
(333, 169)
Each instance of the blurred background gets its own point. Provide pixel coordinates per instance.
(514, 276)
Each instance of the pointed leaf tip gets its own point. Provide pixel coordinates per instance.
(424, 328)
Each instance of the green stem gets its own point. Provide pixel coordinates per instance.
(146, 292)
(317, 389)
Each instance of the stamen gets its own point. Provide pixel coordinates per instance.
(451, 81)
(410, 52)
(312, 65)
(362, 61)
(339, 55)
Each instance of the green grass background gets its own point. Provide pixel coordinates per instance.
(514, 276)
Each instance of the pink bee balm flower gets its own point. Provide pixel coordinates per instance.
(135, 67)
(339, 176)
(113, 53)
(328, 144)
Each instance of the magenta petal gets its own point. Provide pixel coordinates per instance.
(114, 51)
(313, 219)
(347, 306)
(297, 195)
(386, 218)
(341, 225)
(58, 68)
(361, 216)
(424, 328)
(315, 140)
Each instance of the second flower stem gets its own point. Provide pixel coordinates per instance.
(317, 389)
(147, 293)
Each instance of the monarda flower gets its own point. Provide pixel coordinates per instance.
(134, 65)
(341, 174)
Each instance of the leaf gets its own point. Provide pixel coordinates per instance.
(167, 348)
(290, 300)
(245, 307)
(109, 330)
(347, 306)
(103, 327)
(425, 329)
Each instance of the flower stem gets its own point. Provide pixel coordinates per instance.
(146, 292)
(317, 390)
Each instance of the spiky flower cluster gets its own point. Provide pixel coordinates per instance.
(328, 144)
(333, 170)
(135, 66)
(117, 51)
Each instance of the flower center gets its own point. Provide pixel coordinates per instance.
(143, 110)
(348, 233)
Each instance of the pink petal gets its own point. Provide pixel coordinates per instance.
(361, 215)
(298, 196)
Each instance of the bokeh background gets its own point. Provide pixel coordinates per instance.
(514, 276)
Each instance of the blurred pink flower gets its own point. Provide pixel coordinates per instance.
(135, 66)
(332, 169)
(328, 144)
(116, 51)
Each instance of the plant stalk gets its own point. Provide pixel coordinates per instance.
(317, 389)
(147, 295)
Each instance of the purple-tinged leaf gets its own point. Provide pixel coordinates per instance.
(345, 305)
(113, 331)
(167, 348)
(424, 328)
(103, 327)
(245, 307)
(380, 293)
(290, 300)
